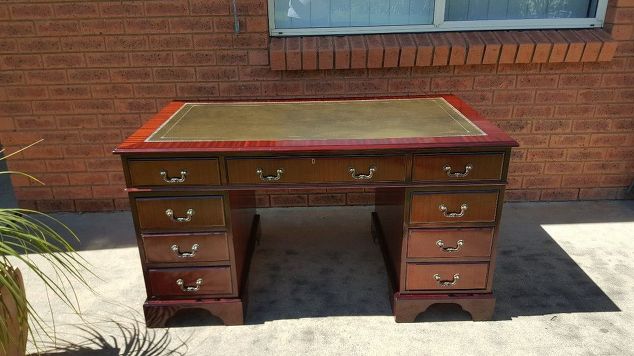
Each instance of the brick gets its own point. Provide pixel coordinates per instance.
(33, 193)
(424, 50)
(342, 53)
(25, 93)
(69, 91)
(39, 45)
(522, 195)
(277, 54)
(31, 11)
(111, 90)
(14, 108)
(623, 125)
(21, 61)
(108, 191)
(615, 110)
(557, 141)
(75, 151)
(258, 73)
(94, 205)
(146, 25)
(542, 182)
(409, 85)
(598, 193)
(559, 48)
(368, 86)
(77, 121)
(579, 80)
(515, 126)
(293, 54)
(122, 9)
(261, 57)
(451, 83)
(197, 90)
(556, 96)
(111, 59)
(122, 204)
(227, 24)
(282, 88)
(543, 46)
(442, 49)
(516, 96)
(206, 7)
(559, 194)
(240, 89)
(50, 107)
(166, 42)
(563, 168)
(289, 200)
(516, 169)
(120, 120)
(325, 54)
(326, 199)
(575, 46)
(217, 73)
(232, 57)
(508, 53)
(617, 80)
(7, 77)
(533, 140)
(145, 59)
(604, 167)
(66, 165)
(475, 48)
(592, 45)
(574, 111)
(58, 28)
(88, 76)
(192, 24)
(526, 47)
(585, 154)
(391, 51)
(66, 60)
(537, 81)
(607, 140)
(135, 105)
(166, 8)
(533, 111)
(104, 164)
(252, 40)
(595, 125)
(325, 87)
(102, 27)
(407, 55)
(53, 206)
(494, 82)
(174, 74)
(76, 9)
(492, 47)
(552, 126)
(93, 106)
(126, 43)
(544, 155)
(375, 51)
(13, 29)
(81, 44)
(309, 53)
(578, 181)
(154, 90)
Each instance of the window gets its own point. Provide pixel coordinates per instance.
(320, 17)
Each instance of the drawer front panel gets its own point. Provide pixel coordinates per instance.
(171, 282)
(446, 276)
(180, 213)
(204, 247)
(455, 206)
(175, 172)
(317, 170)
(449, 243)
(458, 167)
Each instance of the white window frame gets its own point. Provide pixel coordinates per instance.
(439, 24)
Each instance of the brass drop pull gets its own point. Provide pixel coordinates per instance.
(451, 283)
(441, 244)
(178, 253)
(189, 213)
(173, 180)
(447, 168)
(269, 178)
(361, 176)
(443, 209)
(189, 289)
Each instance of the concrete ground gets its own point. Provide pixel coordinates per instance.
(564, 285)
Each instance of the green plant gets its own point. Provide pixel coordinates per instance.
(24, 233)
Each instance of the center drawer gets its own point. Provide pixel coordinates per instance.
(180, 213)
(171, 282)
(316, 170)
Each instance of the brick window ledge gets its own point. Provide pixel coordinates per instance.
(440, 49)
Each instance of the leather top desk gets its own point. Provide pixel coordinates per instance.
(438, 169)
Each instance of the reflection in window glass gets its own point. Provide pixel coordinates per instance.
(469, 10)
(351, 13)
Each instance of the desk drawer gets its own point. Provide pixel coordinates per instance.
(180, 213)
(446, 276)
(181, 248)
(449, 243)
(454, 206)
(174, 172)
(458, 167)
(177, 282)
(316, 170)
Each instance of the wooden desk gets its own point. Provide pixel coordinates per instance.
(439, 170)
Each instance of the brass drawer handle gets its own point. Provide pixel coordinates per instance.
(178, 253)
(189, 289)
(360, 176)
(451, 283)
(173, 180)
(270, 178)
(447, 168)
(441, 244)
(188, 218)
(463, 209)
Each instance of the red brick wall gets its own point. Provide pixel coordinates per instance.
(83, 75)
